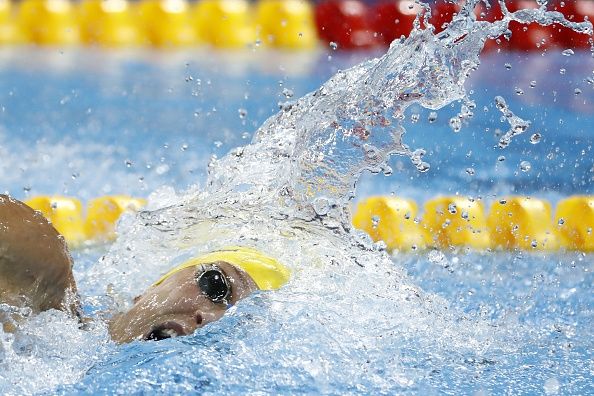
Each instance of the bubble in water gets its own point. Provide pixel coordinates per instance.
(535, 138)
(577, 91)
(333, 45)
(242, 113)
(128, 163)
(561, 221)
(464, 215)
(508, 66)
(567, 52)
(414, 118)
(452, 208)
(519, 91)
(501, 158)
(470, 171)
(525, 166)
(432, 117)
(532, 84)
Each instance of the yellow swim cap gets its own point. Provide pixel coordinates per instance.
(266, 272)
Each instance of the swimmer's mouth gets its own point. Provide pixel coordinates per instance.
(163, 331)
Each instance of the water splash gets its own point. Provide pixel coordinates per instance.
(517, 125)
(291, 186)
(287, 193)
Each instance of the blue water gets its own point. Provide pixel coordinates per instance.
(87, 123)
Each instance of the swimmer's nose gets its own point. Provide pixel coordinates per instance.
(165, 330)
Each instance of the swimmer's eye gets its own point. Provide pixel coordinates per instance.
(213, 283)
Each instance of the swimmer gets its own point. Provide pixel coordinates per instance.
(36, 273)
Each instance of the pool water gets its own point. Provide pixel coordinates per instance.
(86, 123)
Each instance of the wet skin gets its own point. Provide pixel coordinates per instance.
(178, 306)
(35, 266)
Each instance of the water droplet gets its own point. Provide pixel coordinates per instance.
(333, 45)
(535, 138)
(322, 206)
(423, 167)
(577, 91)
(519, 91)
(561, 221)
(432, 117)
(162, 169)
(375, 221)
(503, 201)
(567, 52)
(501, 158)
(525, 166)
(464, 215)
(288, 93)
(455, 124)
(452, 208)
(532, 84)
(414, 118)
(218, 143)
(552, 386)
(562, 71)
(534, 244)
(436, 256)
(184, 147)
(470, 171)
(508, 66)
(128, 163)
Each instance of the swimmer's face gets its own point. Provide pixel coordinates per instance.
(185, 301)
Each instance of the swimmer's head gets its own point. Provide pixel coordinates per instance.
(196, 293)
